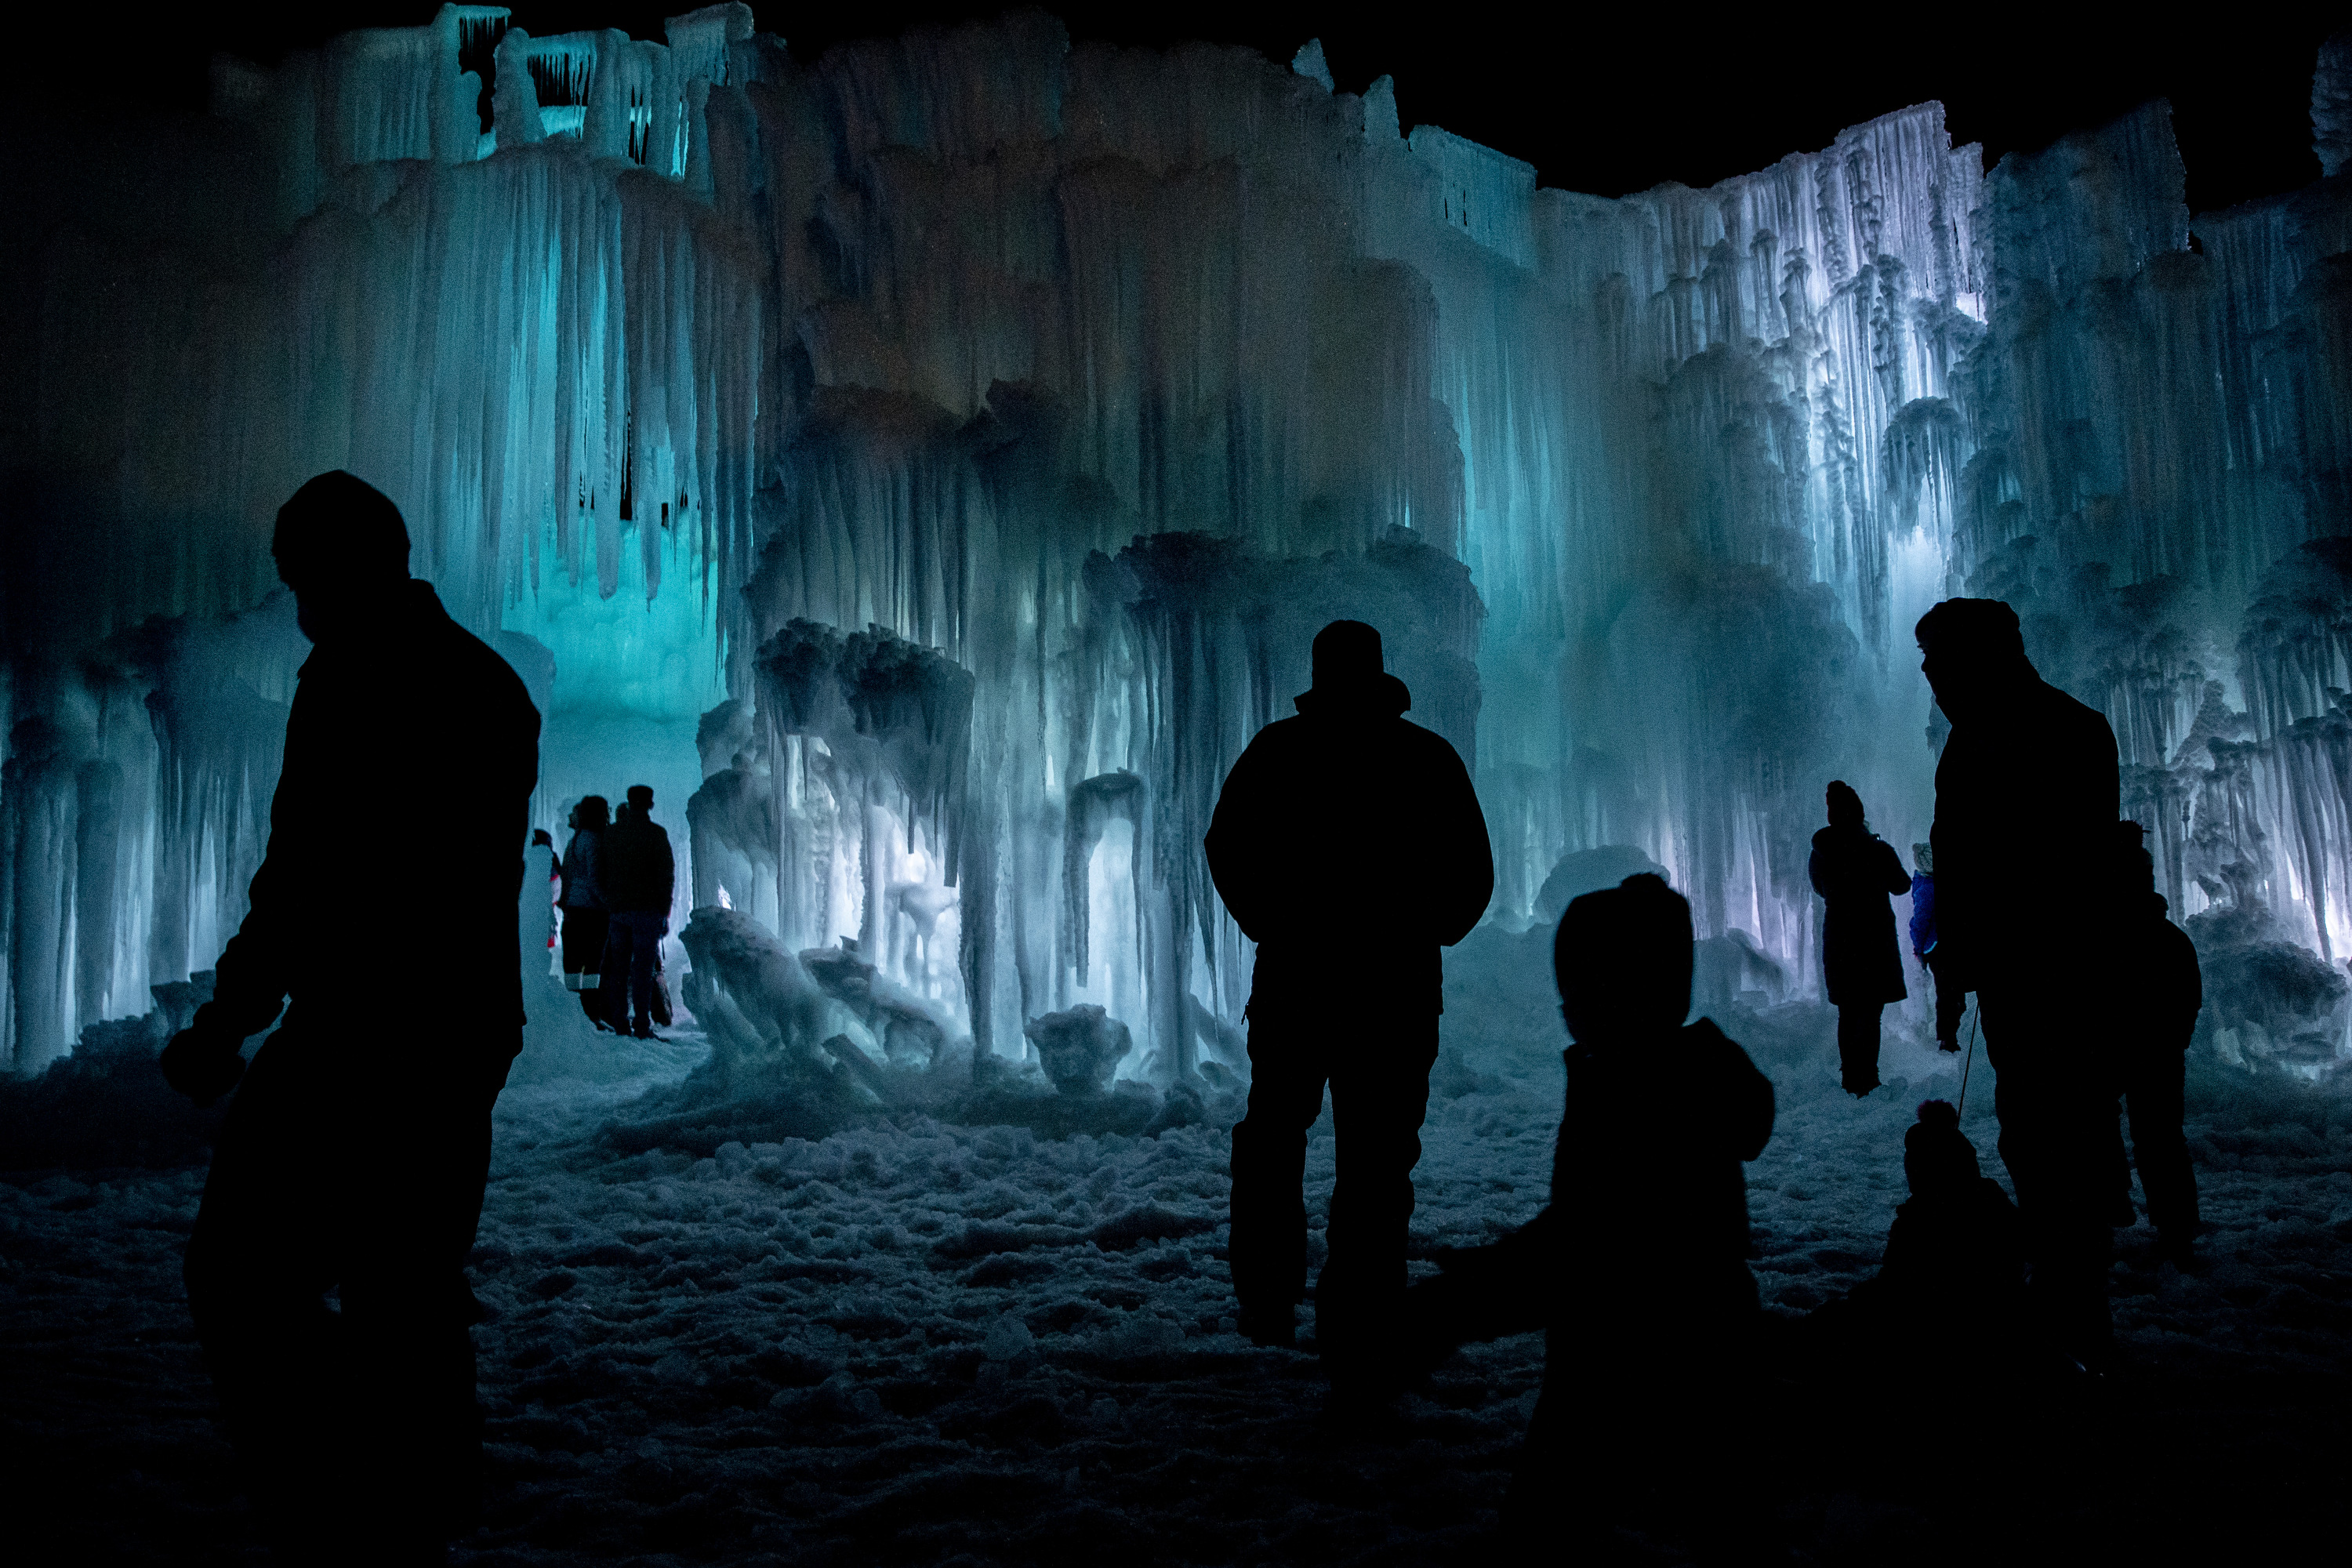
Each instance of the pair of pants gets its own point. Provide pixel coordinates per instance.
(585, 932)
(2154, 1090)
(1377, 1070)
(1857, 1034)
(630, 953)
(1951, 1003)
(2056, 1102)
(342, 1166)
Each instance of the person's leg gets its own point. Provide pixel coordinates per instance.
(1858, 1046)
(2049, 1094)
(2156, 1093)
(417, 1428)
(585, 932)
(613, 997)
(1379, 1097)
(258, 1265)
(2120, 1213)
(1951, 1006)
(645, 946)
(1267, 1243)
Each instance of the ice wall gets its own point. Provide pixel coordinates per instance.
(941, 454)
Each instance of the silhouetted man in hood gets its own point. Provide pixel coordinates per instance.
(1349, 845)
(355, 1152)
(2026, 803)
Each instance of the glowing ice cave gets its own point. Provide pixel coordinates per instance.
(926, 468)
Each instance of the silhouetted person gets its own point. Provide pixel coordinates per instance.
(1347, 990)
(639, 877)
(1638, 1268)
(1951, 1289)
(587, 924)
(1854, 873)
(1951, 1001)
(355, 1151)
(2025, 805)
(2155, 993)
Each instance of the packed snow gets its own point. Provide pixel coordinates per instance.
(918, 1341)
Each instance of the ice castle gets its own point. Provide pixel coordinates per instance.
(930, 464)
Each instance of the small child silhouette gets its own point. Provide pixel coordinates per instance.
(1954, 1276)
(1638, 1267)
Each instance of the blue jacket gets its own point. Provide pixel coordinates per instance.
(1922, 915)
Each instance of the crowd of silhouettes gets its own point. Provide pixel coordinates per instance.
(619, 877)
(358, 1429)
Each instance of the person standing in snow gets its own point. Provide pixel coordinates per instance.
(2158, 995)
(1951, 1002)
(587, 924)
(1855, 871)
(1637, 1268)
(345, 1159)
(1347, 987)
(2026, 798)
(639, 877)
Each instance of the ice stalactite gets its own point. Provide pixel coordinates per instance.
(942, 454)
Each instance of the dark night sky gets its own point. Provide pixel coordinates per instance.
(1603, 109)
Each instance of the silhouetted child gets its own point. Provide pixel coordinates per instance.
(2158, 995)
(1638, 1268)
(1953, 1283)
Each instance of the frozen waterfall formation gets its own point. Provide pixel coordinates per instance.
(954, 444)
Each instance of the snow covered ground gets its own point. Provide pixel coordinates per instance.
(917, 1342)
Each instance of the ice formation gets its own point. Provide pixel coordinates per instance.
(926, 468)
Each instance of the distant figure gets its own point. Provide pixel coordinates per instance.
(1348, 986)
(639, 877)
(355, 1152)
(553, 882)
(2025, 805)
(1951, 1001)
(2157, 994)
(1638, 1268)
(587, 924)
(1951, 1289)
(1854, 873)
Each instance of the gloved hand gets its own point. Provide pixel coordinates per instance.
(202, 1064)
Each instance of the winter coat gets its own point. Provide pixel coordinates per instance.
(635, 870)
(1957, 1249)
(1854, 873)
(425, 695)
(1349, 845)
(1922, 916)
(2024, 797)
(1950, 1293)
(581, 887)
(1646, 1186)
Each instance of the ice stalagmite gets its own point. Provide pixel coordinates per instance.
(930, 462)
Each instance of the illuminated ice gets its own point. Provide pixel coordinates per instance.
(1063, 393)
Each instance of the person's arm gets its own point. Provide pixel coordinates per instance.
(1751, 1102)
(669, 878)
(255, 970)
(1465, 852)
(1813, 872)
(1897, 879)
(1235, 843)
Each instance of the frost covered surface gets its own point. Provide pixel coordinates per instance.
(1054, 396)
(925, 1343)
